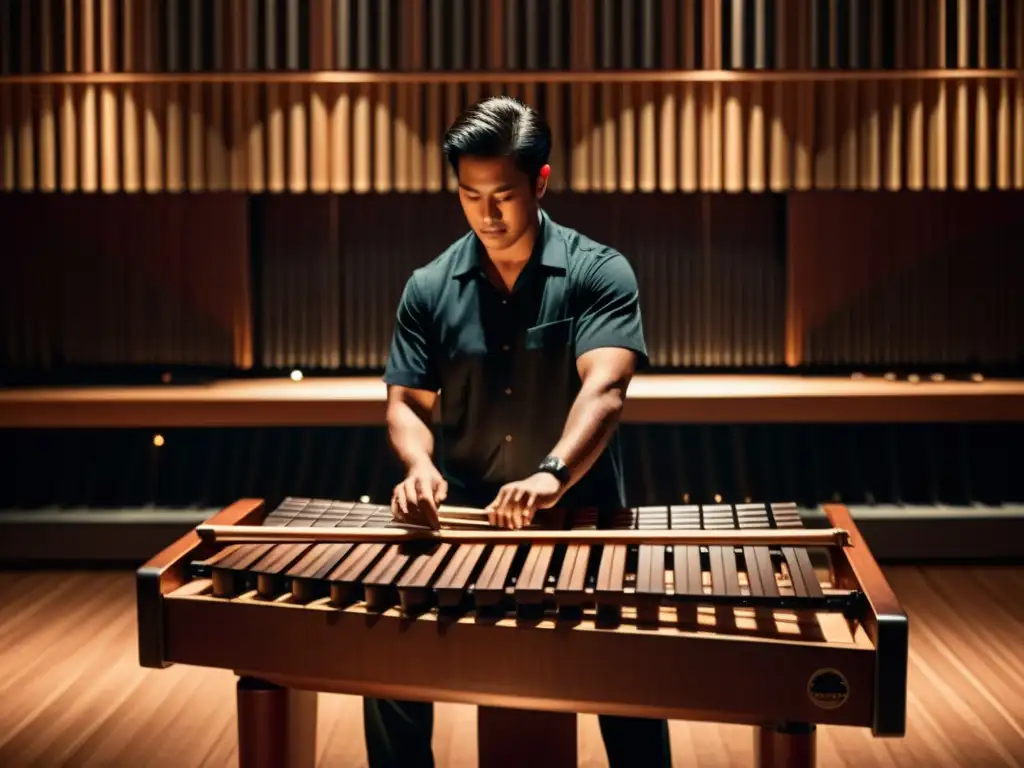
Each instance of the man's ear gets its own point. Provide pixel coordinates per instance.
(542, 180)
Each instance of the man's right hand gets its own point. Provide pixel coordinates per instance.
(416, 499)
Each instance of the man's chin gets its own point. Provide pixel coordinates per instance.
(497, 239)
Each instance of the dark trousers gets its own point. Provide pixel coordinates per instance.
(398, 733)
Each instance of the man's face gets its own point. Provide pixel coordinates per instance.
(498, 199)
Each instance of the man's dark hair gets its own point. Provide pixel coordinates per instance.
(500, 126)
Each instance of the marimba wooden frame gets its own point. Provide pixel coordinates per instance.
(758, 681)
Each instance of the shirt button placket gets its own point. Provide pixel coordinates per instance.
(509, 415)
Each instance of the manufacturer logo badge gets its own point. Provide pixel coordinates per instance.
(828, 689)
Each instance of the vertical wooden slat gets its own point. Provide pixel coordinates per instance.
(47, 172)
(627, 95)
(961, 118)
(668, 133)
(1018, 119)
(276, 150)
(711, 155)
(110, 146)
(757, 138)
(384, 115)
(7, 131)
(1003, 111)
(914, 93)
(982, 105)
(361, 132)
(938, 134)
(152, 107)
(689, 126)
(88, 117)
(580, 96)
(805, 122)
(825, 120)
(781, 145)
(196, 177)
(26, 112)
(131, 144)
(238, 96)
(217, 157)
(174, 95)
(297, 137)
(321, 31)
(402, 129)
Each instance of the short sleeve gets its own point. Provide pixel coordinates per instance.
(609, 309)
(411, 360)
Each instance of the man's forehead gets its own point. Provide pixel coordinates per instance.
(489, 173)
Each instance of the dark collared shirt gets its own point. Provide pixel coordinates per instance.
(505, 363)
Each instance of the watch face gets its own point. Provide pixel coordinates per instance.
(555, 466)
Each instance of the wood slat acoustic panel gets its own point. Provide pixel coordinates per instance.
(124, 280)
(819, 114)
(934, 278)
(84, 36)
(711, 272)
(627, 137)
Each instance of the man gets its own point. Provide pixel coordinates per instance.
(531, 332)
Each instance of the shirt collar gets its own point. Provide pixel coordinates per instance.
(550, 246)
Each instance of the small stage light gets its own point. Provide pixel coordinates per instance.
(364, 499)
(296, 375)
(158, 440)
(977, 377)
(938, 377)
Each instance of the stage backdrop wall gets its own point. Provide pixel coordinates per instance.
(245, 185)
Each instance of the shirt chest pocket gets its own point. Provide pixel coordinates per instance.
(550, 336)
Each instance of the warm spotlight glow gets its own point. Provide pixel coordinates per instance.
(913, 378)
(158, 440)
(977, 377)
(166, 377)
(296, 375)
(364, 499)
(718, 498)
(856, 375)
(890, 376)
(938, 377)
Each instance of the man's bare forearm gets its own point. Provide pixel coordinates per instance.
(592, 420)
(410, 434)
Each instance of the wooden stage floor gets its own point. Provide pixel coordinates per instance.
(73, 694)
(659, 398)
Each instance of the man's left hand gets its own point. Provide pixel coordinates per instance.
(516, 503)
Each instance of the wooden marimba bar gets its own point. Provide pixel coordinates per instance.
(774, 623)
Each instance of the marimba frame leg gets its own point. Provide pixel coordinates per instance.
(786, 745)
(519, 737)
(276, 725)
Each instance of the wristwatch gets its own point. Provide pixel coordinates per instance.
(555, 466)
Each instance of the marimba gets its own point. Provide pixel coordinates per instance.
(729, 613)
